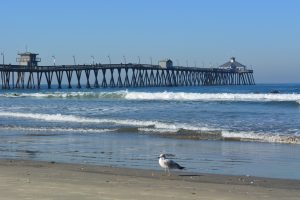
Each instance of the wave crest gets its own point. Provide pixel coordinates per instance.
(182, 96)
(127, 122)
(165, 96)
(100, 95)
(261, 137)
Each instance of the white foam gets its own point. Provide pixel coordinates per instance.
(167, 96)
(262, 137)
(211, 96)
(78, 119)
(49, 129)
(118, 94)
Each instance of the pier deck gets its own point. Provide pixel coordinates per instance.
(118, 75)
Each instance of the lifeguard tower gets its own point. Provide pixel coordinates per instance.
(28, 59)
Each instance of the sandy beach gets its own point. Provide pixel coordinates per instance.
(50, 180)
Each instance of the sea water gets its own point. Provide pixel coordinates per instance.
(255, 130)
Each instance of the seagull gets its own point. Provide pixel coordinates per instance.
(168, 164)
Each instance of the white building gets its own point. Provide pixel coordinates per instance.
(165, 63)
(233, 65)
(28, 59)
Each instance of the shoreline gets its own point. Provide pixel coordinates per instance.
(44, 180)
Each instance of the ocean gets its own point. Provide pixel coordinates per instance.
(236, 130)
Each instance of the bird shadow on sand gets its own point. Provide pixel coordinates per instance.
(183, 175)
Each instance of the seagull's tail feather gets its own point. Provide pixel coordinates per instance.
(179, 167)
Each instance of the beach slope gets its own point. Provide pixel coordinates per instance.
(50, 180)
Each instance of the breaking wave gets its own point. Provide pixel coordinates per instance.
(177, 130)
(182, 96)
(56, 129)
(165, 96)
(261, 137)
(77, 119)
(100, 95)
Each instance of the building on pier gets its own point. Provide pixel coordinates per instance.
(232, 64)
(28, 59)
(165, 63)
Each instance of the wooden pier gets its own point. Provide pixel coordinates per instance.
(118, 75)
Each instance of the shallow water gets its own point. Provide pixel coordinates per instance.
(141, 151)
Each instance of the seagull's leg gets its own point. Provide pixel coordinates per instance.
(165, 170)
(169, 174)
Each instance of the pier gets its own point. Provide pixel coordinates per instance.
(32, 76)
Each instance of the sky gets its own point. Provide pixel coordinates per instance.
(262, 34)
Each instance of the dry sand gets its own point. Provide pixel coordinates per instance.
(46, 180)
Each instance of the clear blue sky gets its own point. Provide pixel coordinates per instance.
(264, 34)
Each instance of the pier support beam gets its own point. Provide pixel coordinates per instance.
(49, 75)
(78, 75)
(59, 76)
(87, 74)
(96, 84)
(104, 83)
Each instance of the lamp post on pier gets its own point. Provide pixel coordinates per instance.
(2, 54)
(139, 59)
(150, 60)
(109, 60)
(124, 59)
(53, 60)
(93, 59)
(74, 60)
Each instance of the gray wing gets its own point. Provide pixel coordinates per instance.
(172, 165)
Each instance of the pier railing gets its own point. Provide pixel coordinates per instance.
(118, 75)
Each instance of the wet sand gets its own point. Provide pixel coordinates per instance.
(49, 180)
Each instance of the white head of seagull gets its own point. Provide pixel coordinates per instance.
(168, 164)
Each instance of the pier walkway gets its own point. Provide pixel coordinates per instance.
(118, 75)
